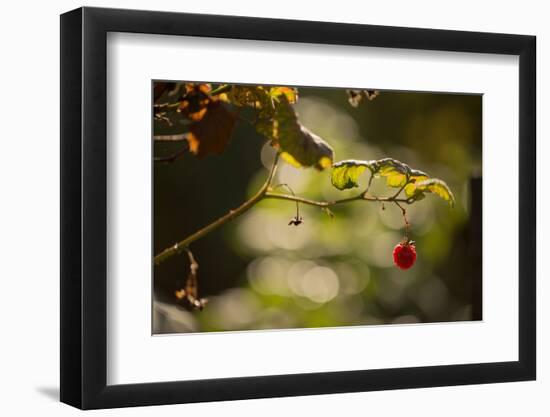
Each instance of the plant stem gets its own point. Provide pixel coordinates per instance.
(404, 213)
(183, 244)
(325, 204)
(264, 193)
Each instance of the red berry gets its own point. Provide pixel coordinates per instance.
(404, 255)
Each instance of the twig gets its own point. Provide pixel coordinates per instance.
(370, 182)
(263, 193)
(247, 205)
(171, 158)
(170, 138)
(297, 220)
(191, 291)
(220, 90)
(324, 204)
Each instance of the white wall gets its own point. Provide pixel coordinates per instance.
(29, 225)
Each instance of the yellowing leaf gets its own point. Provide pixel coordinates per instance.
(414, 178)
(290, 93)
(298, 145)
(437, 187)
(289, 159)
(345, 174)
(276, 120)
(325, 162)
(395, 172)
(255, 96)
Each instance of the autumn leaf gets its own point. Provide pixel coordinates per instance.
(211, 133)
(415, 178)
(437, 187)
(276, 120)
(195, 101)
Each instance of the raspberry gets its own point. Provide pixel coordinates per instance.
(404, 254)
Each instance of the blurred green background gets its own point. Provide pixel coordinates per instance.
(260, 273)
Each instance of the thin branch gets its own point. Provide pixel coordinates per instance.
(170, 138)
(401, 189)
(171, 158)
(264, 193)
(247, 205)
(162, 117)
(297, 219)
(190, 292)
(220, 90)
(369, 184)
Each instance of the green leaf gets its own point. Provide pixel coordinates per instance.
(415, 177)
(437, 187)
(345, 174)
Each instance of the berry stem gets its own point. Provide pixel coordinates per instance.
(407, 225)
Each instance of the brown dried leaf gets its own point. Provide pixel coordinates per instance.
(211, 133)
(195, 101)
(356, 96)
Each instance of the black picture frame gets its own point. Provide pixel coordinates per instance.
(84, 207)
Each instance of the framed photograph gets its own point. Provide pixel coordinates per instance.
(258, 208)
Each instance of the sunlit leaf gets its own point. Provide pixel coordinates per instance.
(345, 174)
(415, 177)
(298, 145)
(395, 172)
(437, 187)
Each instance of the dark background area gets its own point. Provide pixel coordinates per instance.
(437, 133)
